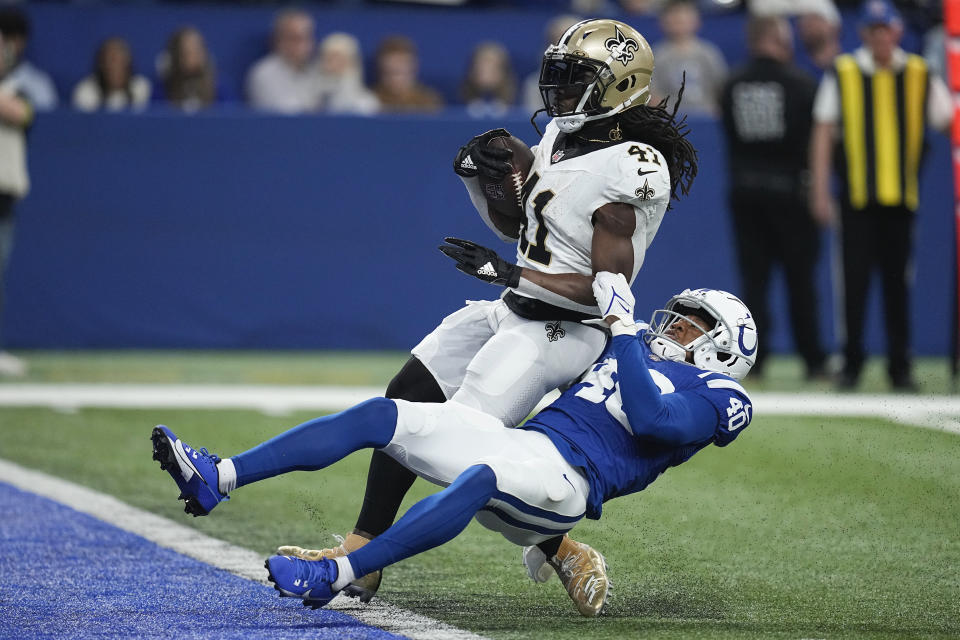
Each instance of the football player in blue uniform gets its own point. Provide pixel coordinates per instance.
(658, 394)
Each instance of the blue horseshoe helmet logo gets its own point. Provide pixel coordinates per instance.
(743, 347)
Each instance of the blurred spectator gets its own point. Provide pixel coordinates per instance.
(595, 8)
(113, 85)
(398, 87)
(288, 79)
(683, 52)
(189, 78)
(877, 102)
(767, 105)
(16, 114)
(490, 86)
(341, 80)
(820, 37)
(30, 81)
(818, 25)
(823, 8)
(532, 100)
(642, 7)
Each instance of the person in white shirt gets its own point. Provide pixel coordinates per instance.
(113, 85)
(288, 79)
(341, 81)
(16, 115)
(34, 83)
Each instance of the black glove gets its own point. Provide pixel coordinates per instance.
(475, 157)
(481, 262)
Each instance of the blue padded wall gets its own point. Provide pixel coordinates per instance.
(239, 230)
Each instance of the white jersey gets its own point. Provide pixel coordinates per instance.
(561, 195)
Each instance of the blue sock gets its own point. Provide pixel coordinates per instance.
(320, 442)
(429, 523)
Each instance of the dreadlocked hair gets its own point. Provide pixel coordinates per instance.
(658, 126)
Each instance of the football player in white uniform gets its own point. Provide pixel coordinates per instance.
(602, 179)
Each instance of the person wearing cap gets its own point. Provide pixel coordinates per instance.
(875, 104)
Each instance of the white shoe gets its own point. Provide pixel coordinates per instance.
(535, 562)
(11, 365)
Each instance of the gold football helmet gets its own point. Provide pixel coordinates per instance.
(596, 69)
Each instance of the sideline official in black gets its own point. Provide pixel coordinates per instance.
(766, 108)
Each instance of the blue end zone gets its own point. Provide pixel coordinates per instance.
(66, 574)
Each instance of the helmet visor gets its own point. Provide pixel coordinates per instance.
(571, 84)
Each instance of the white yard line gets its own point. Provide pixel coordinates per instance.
(934, 412)
(266, 398)
(237, 560)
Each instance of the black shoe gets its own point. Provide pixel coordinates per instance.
(847, 381)
(904, 383)
(817, 373)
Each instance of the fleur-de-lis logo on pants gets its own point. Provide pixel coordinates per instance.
(555, 331)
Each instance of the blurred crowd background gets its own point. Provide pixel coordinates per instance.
(237, 174)
(367, 58)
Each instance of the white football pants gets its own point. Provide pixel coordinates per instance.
(539, 494)
(489, 358)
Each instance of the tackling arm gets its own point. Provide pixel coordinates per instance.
(669, 418)
(674, 418)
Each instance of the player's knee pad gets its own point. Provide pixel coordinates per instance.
(534, 481)
(423, 419)
(416, 419)
(501, 363)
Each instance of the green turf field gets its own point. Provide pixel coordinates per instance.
(803, 528)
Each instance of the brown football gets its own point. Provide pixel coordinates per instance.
(504, 196)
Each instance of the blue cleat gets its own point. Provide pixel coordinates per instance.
(195, 472)
(310, 580)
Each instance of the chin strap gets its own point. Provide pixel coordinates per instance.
(570, 124)
(668, 349)
(533, 121)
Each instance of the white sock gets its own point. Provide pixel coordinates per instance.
(346, 573)
(227, 476)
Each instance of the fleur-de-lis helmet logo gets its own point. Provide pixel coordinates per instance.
(621, 47)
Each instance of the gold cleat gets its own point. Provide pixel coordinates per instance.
(364, 587)
(583, 572)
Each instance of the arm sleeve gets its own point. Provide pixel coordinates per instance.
(939, 105)
(826, 104)
(670, 418)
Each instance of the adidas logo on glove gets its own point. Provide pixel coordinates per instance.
(487, 270)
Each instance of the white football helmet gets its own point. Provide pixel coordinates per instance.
(728, 347)
(598, 68)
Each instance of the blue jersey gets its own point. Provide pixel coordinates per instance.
(634, 415)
